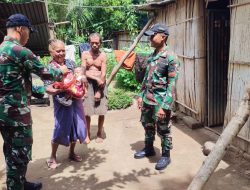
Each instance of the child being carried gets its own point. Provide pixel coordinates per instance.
(73, 85)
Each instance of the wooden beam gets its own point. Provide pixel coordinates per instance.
(243, 138)
(184, 105)
(184, 21)
(190, 57)
(52, 34)
(239, 62)
(118, 66)
(64, 22)
(154, 5)
(191, 122)
(238, 4)
(219, 150)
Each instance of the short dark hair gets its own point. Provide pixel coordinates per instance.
(94, 35)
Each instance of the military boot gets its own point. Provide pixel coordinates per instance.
(32, 186)
(145, 152)
(164, 161)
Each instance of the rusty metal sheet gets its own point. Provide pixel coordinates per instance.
(36, 12)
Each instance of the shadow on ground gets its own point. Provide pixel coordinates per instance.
(230, 176)
(72, 175)
(233, 173)
(199, 135)
(93, 132)
(175, 183)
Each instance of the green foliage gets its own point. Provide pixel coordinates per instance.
(78, 60)
(143, 48)
(111, 62)
(126, 80)
(57, 13)
(119, 99)
(88, 20)
(16, 1)
(45, 60)
(79, 17)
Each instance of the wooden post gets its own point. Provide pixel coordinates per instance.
(51, 25)
(217, 153)
(117, 67)
(52, 34)
(47, 8)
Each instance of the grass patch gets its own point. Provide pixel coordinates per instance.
(119, 99)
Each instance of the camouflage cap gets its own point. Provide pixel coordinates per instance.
(19, 20)
(157, 28)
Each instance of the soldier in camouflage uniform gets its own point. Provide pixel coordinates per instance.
(156, 96)
(16, 65)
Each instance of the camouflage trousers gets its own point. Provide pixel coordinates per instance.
(152, 123)
(17, 151)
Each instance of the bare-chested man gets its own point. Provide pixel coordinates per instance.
(95, 102)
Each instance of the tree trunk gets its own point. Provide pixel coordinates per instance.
(117, 67)
(217, 153)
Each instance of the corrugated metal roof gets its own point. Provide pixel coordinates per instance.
(36, 12)
(154, 5)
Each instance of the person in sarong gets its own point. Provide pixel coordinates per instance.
(95, 102)
(70, 122)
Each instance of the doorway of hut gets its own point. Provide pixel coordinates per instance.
(218, 41)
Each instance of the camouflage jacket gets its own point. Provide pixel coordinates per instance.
(158, 86)
(16, 65)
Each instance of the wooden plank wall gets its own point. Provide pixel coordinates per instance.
(125, 41)
(239, 67)
(187, 39)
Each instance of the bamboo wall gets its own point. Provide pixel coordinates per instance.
(187, 38)
(239, 67)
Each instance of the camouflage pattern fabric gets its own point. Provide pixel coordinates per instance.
(16, 65)
(157, 91)
(38, 88)
(17, 152)
(140, 66)
(158, 86)
(151, 123)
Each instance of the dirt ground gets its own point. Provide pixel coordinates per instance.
(111, 166)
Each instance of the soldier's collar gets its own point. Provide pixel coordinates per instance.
(161, 53)
(8, 38)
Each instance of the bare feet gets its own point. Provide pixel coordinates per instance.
(87, 140)
(51, 163)
(99, 138)
(75, 157)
